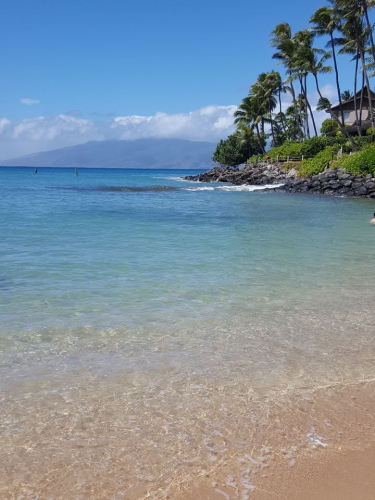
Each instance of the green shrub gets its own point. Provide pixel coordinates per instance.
(339, 162)
(307, 148)
(363, 141)
(370, 131)
(362, 162)
(329, 127)
(315, 165)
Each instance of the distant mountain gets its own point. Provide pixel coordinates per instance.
(142, 153)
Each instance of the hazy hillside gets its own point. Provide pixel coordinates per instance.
(143, 153)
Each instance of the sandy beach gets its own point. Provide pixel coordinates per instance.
(343, 470)
(319, 446)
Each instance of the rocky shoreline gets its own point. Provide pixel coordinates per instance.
(331, 182)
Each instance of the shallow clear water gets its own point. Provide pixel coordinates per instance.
(168, 291)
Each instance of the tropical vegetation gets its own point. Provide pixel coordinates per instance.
(344, 27)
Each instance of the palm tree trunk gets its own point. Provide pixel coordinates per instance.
(355, 96)
(259, 138)
(281, 113)
(364, 70)
(296, 119)
(334, 117)
(272, 130)
(361, 103)
(311, 113)
(306, 106)
(300, 104)
(337, 78)
(365, 10)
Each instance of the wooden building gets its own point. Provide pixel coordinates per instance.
(364, 121)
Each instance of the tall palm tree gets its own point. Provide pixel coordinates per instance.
(249, 114)
(246, 135)
(302, 40)
(360, 9)
(277, 86)
(325, 21)
(353, 27)
(309, 62)
(282, 40)
(349, 45)
(294, 121)
(264, 91)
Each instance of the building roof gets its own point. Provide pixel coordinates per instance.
(357, 96)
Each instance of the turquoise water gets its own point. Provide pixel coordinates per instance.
(181, 288)
(142, 252)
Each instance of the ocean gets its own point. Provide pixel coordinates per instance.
(154, 331)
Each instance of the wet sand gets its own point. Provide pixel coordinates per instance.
(344, 469)
(315, 445)
(333, 475)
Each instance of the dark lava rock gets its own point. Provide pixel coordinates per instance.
(331, 182)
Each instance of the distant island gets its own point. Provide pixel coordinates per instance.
(137, 154)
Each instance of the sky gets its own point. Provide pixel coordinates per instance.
(74, 71)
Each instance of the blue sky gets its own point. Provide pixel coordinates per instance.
(99, 60)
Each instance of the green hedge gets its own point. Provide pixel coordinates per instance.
(308, 148)
(362, 162)
(317, 164)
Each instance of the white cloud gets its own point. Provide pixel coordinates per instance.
(205, 124)
(29, 102)
(210, 123)
(26, 136)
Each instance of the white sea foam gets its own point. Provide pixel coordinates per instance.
(315, 439)
(172, 178)
(234, 188)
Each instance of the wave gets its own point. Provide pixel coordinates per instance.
(114, 189)
(206, 188)
(137, 189)
(158, 189)
(235, 188)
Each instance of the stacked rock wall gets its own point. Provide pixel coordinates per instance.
(331, 182)
(335, 182)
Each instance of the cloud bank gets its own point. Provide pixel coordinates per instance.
(43, 133)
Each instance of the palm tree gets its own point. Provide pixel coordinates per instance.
(306, 61)
(349, 45)
(286, 47)
(354, 30)
(246, 135)
(346, 96)
(303, 40)
(358, 8)
(294, 121)
(277, 86)
(248, 114)
(326, 21)
(264, 91)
